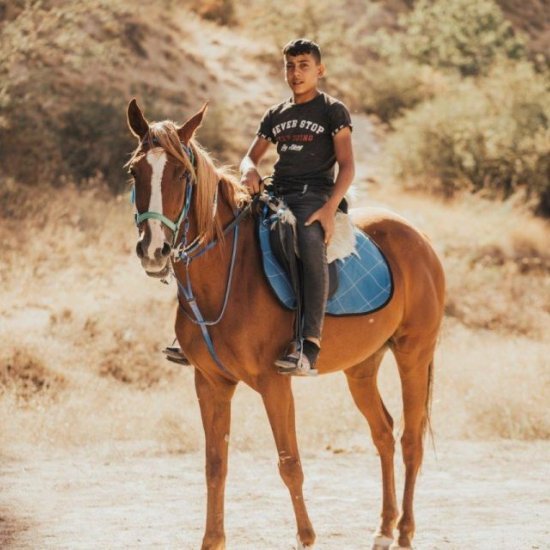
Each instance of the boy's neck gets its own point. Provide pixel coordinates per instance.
(305, 97)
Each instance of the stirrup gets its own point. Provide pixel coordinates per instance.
(174, 354)
(295, 364)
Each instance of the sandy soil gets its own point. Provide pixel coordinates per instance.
(471, 495)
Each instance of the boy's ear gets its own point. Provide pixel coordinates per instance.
(136, 121)
(186, 130)
(321, 70)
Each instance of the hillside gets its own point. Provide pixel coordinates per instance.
(69, 69)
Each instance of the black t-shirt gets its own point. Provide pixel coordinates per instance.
(303, 133)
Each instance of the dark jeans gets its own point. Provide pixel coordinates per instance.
(313, 256)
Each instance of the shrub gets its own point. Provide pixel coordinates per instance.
(67, 72)
(94, 139)
(53, 122)
(387, 90)
(217, 133)
(25, 374)
(463, 35)
(220, 11)
(491, 133)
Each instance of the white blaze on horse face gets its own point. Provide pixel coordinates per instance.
(157, 159)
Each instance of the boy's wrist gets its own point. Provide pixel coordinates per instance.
(250, 169)
(333, 202)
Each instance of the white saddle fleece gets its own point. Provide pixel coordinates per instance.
(342, 243)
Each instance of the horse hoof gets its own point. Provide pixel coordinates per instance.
(396, 546)
(301, 546)
(381, 542)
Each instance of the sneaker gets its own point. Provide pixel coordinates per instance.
(174, 354)
(296, 363)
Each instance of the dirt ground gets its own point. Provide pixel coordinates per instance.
(470, 495)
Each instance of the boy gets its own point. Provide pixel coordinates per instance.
(312, 131)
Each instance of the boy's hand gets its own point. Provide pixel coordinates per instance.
(325, 216)
(251, 178)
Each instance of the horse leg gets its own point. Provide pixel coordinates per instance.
(362, 384)
(215, 404)
(415, 362)
(279, 404)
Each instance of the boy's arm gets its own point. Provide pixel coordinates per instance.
(346, 167)
(346, 172)
(249, 170)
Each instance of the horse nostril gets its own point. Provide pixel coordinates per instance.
(166, 249)
(139, 249)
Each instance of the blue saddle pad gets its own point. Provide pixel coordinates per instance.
(365, 280)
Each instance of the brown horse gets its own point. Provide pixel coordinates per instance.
(251, 328)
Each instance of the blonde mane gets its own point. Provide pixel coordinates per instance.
(204, 173)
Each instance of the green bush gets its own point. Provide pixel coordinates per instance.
(387, 90)
(88, 138)
(490, 133)
(463, 35)
(93, 138)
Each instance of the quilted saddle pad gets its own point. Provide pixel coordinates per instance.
(365, 280)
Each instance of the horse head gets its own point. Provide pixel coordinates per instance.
(162, 171)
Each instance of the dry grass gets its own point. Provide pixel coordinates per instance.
(80, 362)
(24, 375)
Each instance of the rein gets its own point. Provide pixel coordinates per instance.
(188, 253)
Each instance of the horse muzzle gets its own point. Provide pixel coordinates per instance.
(155, 265)
(160, 274)
(156, 268)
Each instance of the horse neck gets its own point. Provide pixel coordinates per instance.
(209, 272)
(223, 215)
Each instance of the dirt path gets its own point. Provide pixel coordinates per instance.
(474, 495)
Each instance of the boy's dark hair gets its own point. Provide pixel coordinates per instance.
(301, 46)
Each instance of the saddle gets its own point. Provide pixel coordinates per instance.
(360, 279)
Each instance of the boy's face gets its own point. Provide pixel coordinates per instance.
(302, 72)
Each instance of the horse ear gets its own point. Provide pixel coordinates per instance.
(186, 131)
(136, 121)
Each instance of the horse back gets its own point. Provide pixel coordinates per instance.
(410, 253)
